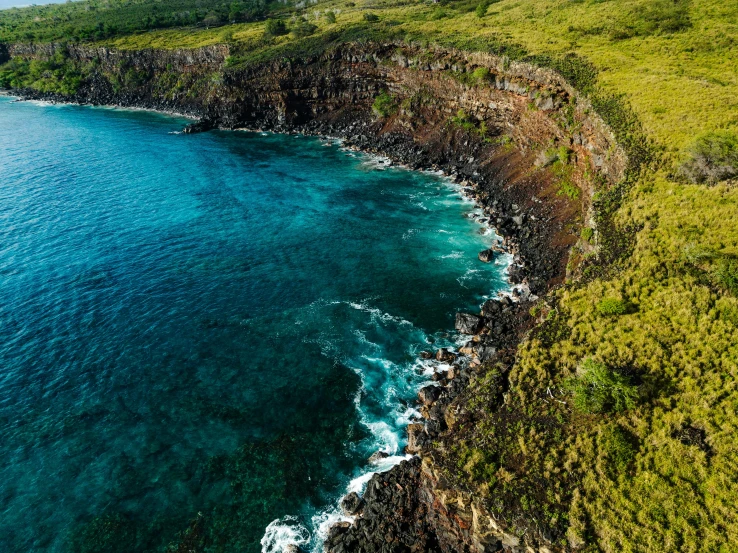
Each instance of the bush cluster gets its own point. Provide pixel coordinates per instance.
(599, 389)
(384, 105)
(711, 158)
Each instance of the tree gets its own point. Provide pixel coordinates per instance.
(275, 27)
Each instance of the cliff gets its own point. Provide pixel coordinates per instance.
(529, 148)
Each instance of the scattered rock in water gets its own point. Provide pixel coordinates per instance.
(467, 349)
(378, 456)
(352, 504)
(292, 548)
(438, 376)
(444, 355)
(466, 323)
(203, 125)
(486, 255)
(426, 355)
(453, 372)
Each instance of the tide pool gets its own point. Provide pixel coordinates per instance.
(204, 337)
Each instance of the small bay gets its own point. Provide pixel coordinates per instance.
(202, 334)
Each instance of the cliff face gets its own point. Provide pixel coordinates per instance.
(525, 144)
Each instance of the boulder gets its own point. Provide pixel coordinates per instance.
(352, 504)
(426, 355)
(466, 323)
(202, 125)
(429, 394)
(337, 529)
(378, 456)
(486, 255)
(444, 355)
(468, 348)
(491, 308)
(439, 376)
(484, 352)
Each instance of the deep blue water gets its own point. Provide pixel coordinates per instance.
(202, 335)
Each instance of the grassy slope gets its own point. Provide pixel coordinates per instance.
(659, 488)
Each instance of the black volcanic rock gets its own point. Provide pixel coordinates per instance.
(429, 394)
(352, 504)
(466, 323)
(203, 125)
(486, 255)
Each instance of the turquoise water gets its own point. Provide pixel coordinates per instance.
(203, 338)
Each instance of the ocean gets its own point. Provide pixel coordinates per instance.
(203, 338)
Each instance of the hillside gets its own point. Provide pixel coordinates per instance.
(615, 429)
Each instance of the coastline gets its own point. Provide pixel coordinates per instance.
(381, 465)
(465, 189)
(535, 232)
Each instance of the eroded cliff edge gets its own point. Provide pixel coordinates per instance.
(525, 144)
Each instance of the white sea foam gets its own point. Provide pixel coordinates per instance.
(385, 384)
(282, 533)
(378, 313)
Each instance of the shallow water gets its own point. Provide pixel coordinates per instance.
(203, 337)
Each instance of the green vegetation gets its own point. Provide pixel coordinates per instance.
(612, 307)
(56, 76)
(97, 20)
(384, 105)
(599, 389)
(712, 157)
(463, 121)
(587, 440)
(275, 27)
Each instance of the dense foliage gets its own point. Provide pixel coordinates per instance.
(617, 431)
(100, 19)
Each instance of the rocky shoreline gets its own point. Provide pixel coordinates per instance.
(504, 169)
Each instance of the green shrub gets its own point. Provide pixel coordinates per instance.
(599, 389)
(384, 105)
(439, 13)
(275, 27)
(370, 17)
(481, 10)
(303, 28)
(477, 465)
(569, 190)
(725, 274)
(711, 158)
(330, 17)
(587, 234)
(612, 307)
(480, 74)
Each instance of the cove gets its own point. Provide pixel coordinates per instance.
(205, 334)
